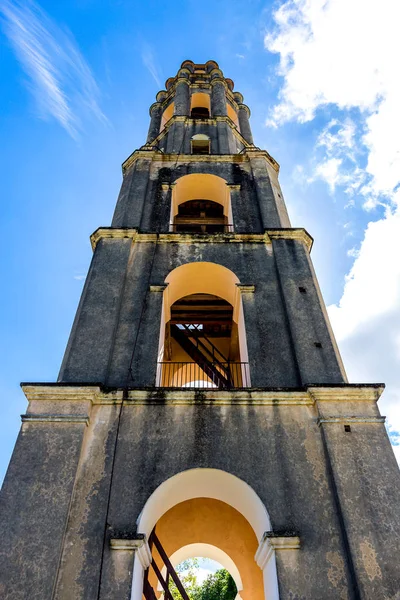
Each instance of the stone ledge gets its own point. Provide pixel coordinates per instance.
(272, 542)
(308, 395)
(61, 391)
(345, 419)
(151, 152)
(138, 545)
(246, 288)
(352, 392)
(43, 418)
(299, 234)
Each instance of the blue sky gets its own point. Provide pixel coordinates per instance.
(77, 79)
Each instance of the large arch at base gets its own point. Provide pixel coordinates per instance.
(195, 485)
(205, 483)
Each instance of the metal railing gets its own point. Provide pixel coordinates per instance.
(201, 228)
(207, 375)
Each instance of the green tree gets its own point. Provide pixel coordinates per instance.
(218, 586)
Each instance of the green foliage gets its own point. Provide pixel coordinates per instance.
(218, 586)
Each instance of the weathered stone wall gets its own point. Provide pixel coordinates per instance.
(118, 323)
(83, 485)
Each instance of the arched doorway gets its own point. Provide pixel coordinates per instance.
(208, 551)
(214, 508)
(202, 333)
(200, 105)
(201, 201)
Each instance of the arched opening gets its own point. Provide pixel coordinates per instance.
(200, 106)
(210, 513)
(232, 114)
(200, 144)
(202, 337)
(167, 115)
(211, 552)
(200, 216)
(202, 195)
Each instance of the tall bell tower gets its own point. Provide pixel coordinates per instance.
(202, 407)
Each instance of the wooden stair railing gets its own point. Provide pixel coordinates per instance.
(148, 590)
(210, 369)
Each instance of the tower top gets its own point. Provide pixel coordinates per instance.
(192, 71)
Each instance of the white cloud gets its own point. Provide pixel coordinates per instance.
(345, 53)
(59, 77)
(342, 55)
(149, 63)
(329, 172)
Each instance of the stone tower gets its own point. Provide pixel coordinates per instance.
(202, 408)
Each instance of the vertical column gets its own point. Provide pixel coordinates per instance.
(155, 121)
(176, 133)
(234, 209)
(269, 213)
(316, 351)
(365, 477)
(182, 98)
(218, 98)
(244, 124)
(131, 199)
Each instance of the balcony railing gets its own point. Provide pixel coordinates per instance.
(203, 376)
(203, 227)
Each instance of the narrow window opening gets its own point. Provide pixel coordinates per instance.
(318, 344)
(347, 428)
(200, 146)
(302, 290)
(200, 216)
(199, 112)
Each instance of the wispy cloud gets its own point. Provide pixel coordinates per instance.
(59, 77)
(329, 66)
(149, 63)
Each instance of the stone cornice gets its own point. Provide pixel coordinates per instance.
(60, 391)
(55, 418)
(98, 394)
(343, 419)
(350, 392)
(138, 545)
(249, 150)
(299, 234)
(272, 543)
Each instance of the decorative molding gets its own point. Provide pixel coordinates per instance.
(298, 233)
(138, 545)
(190, 238)
(61, 392)
(43, 418)
(272, 543)
(180, 397)
(158, 288)
(112, 232)
(249, 151)
(345, 419)
(306, 396)
(246, 289)
(347, 392)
